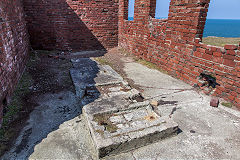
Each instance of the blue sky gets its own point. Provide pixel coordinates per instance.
(219, 9)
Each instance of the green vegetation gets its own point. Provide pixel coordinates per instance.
(150, 65)
(227, 104)
(13, 109)
(102, 61)
(15, 106)
(103, 120)
(220, 41)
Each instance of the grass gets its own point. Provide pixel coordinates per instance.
(16, 103)
(13, 108)
(102, 61)
(150, 65)
(220, 41)
(6, 132)
(142, 61)
(103, 120)
(227, 104)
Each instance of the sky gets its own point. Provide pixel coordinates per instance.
(219, 9)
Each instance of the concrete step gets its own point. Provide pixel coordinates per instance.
(116, 117)
(117, 131)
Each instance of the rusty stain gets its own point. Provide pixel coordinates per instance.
(151, 117)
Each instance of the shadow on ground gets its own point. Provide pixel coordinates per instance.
(51, 100)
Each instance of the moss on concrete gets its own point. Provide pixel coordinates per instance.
(227, 104)
(150, 65)
(102, 61)
(103, 120)
(13, 108)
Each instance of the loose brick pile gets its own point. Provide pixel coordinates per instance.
(174, 44)
(14, 47)
(72, 24)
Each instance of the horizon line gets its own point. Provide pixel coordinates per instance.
(207, 18)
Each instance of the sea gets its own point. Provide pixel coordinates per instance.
(222, 28)
(228, 28)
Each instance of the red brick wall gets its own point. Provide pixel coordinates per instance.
(72, 24)
(13, 47)
(174, 44)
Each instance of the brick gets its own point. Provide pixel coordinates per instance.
(228, 62)
(230, 47)
(217, 54)
(231, 52)
(214, 102)
(9, 51)
(72, 25)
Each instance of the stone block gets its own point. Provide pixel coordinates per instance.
(121, 130)
(214, 102)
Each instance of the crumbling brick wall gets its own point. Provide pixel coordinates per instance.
(13, 47)
(174, 44)
(72, 24)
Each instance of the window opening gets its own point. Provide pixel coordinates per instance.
(131, 4)
(162, 9)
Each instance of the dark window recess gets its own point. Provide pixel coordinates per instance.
(4, 102)
(210, 81)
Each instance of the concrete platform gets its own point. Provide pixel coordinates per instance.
(206, 132)
(116, 121)
(119, 131)
(87, 73)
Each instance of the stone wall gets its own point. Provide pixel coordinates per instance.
(174, 44)
(14, 47)
(72, 24)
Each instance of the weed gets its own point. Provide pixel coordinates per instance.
(220, 41)
(102, 61)
(150, 65)
(103, 120)
(227, 104)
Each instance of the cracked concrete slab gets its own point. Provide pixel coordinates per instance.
(87, 73)
(206, 132)
(53, 110)
(140, 124)
(117, 131)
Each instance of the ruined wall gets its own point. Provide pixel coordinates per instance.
(13, 47)
(174, 44)
(72, 24)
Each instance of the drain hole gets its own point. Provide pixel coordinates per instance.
(138, 98)
(103, 123)
(209, 80)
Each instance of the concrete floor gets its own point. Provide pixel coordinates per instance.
(206, 132)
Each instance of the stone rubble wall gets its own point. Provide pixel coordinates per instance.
(14, 48)
(174, 44)
(72, 24)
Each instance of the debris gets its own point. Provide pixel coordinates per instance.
(135, 95)
(173, 110)
(214, 102)
(154, 103)
(192, 131)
